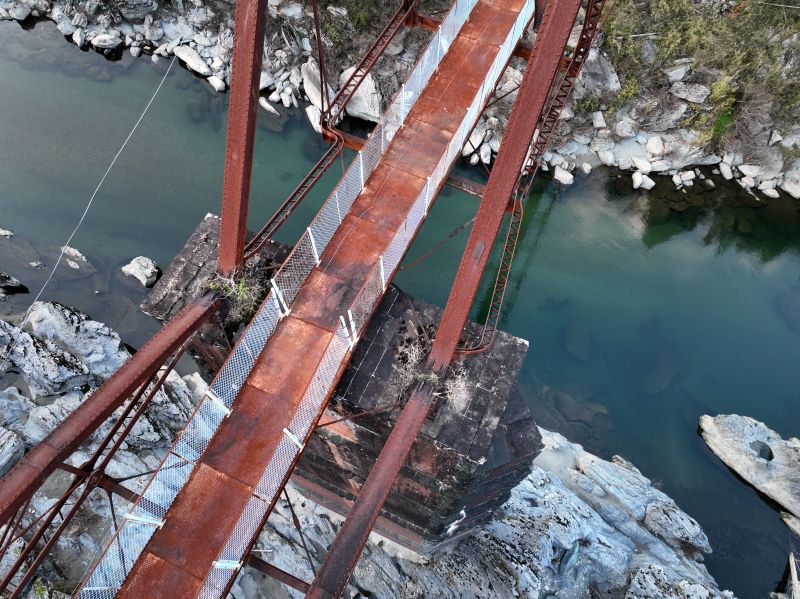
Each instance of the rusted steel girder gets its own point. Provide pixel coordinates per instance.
(404, 14)
(276, 573)
(247, 50)
(25, 478)
(571, 66)
(557, 21)
(332, 109)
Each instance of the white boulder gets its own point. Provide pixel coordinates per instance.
(311, 83)
(655, 145)
(193, 60)
(366, 101)
(792, 187)
(216, 83)
(750, 170)
(143, 269)
(642, 181)
(757, 454)
(598, 120)
(265, 104)
(641, 164)
(563, 176)
(106, 41)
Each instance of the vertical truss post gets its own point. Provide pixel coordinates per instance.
(247, 49)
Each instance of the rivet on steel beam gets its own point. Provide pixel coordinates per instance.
(144, 520)
(293, 438)
(313, 244)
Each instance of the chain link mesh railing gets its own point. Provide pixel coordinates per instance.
(139, 525)
(129, 539)
(353, 323)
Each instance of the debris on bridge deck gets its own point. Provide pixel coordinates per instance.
(188, 277)
(470, 454)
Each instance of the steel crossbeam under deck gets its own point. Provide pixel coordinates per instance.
(182, 557)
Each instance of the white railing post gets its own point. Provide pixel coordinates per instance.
(382, 273)
(403, 103)
(338, 208)
(427, 195)
(361, 167)
(352, 325)
(313, 245)
(350, 340)
(279, 299)
(217, 401)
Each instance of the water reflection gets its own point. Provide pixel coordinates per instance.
(727, 215)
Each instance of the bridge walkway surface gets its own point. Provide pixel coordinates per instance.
(194, 543)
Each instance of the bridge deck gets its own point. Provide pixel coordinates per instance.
(179, 556)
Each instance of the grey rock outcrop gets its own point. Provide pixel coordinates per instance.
(562, 533)
(93, 343)
(11, 449)
(44, 367)
(758, 454)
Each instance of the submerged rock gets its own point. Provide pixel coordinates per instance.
(758, 454)
(143, 269)
(10, 286)
(787, 306)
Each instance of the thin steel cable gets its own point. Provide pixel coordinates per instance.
(94, 194)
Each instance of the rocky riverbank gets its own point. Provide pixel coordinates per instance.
(646, 122)
(761, 457)
(576, 523)
(577, 526)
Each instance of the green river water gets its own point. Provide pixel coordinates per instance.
(641, 317)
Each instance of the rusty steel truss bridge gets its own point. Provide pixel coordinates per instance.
(193, 527)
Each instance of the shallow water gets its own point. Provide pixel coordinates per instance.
(641, 317)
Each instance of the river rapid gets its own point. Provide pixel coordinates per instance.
(643, 311)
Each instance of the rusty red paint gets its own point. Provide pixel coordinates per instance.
(247, 50)
(340, 562)
(540, 74)
(24, 479)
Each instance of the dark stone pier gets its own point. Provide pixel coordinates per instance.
(475, 447)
